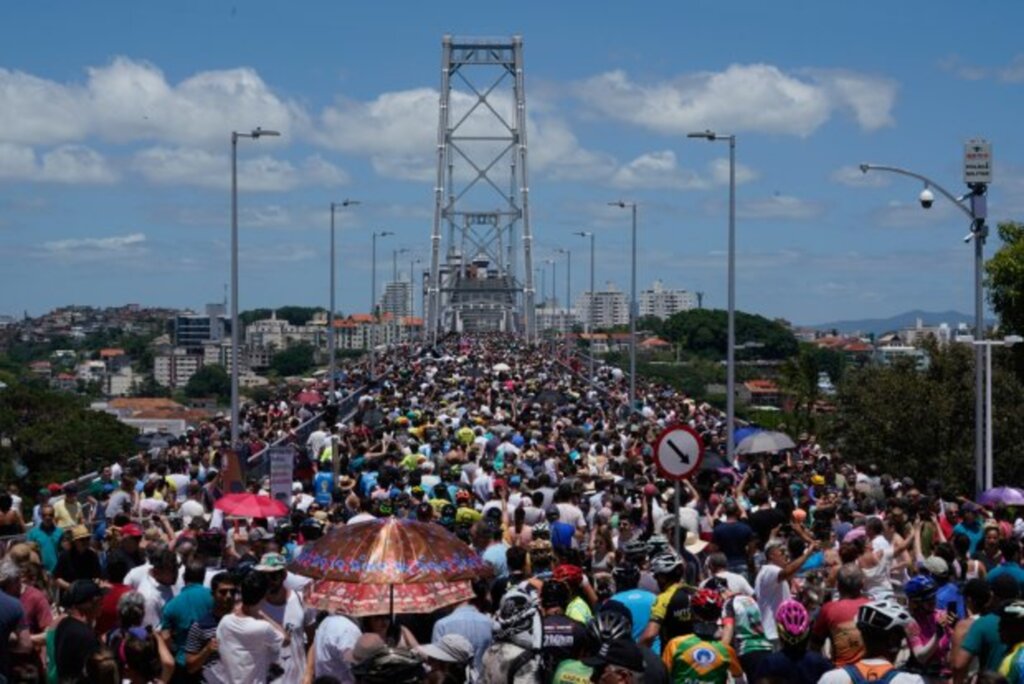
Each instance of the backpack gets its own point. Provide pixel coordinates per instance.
(856, 677)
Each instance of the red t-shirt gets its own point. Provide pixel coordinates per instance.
(837, 621)
(38, 615)
(107, 619)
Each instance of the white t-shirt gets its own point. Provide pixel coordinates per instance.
(247, 648)
(191, 509)
(157, 595)
(839, 676)
(335, 638)
(294, 618)
(770, 593)
(571, 514)
(737, 584)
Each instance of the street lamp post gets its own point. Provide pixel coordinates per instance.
(977, 212)
(568, 285)
(255, 134)
(632, 308)
(730, 356)
(1007, 341)
(590, 302)
(412, 285)
(331, 342)
(373, 299)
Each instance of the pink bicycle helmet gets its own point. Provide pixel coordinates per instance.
(793, 622)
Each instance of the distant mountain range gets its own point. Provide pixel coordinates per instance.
(908, 319)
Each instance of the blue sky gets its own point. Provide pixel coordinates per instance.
(115, 120)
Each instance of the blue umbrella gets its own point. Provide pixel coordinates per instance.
(739, 434)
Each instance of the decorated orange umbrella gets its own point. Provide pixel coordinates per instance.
(360, 600)
(389, 552)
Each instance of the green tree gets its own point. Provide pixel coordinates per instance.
(799, 377)
(55, 436)
(704, 332)
(1005, 278)
(210, 381)
(921, 423)
(295, 360)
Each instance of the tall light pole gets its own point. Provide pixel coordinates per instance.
(331, 344)
(1007, 341)
(632, 307)
(977, 211)
(373, 300)
(412, 285)
(590, 302)
(730, 355)
(255, 134)
(568, 283)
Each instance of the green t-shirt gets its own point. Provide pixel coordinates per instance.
(572, 672)
(983, 640)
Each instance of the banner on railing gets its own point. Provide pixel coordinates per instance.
(234, 482)
(282, 463)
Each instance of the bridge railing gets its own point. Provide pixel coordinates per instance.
(258, 465)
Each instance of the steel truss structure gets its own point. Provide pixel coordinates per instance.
(482, 194)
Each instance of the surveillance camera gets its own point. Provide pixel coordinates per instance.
(926, 198)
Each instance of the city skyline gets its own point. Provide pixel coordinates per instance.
(114, 156)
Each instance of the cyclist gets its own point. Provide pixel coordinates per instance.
(929, 635)
(882, 624)
(670, 615)
(794, 663)
(699, 656)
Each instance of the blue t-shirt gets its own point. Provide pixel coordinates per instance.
(983, 640)
(975, 533)
(639, 602)
(192, 604)
(793, 668)
(562, 534)
(1012, 569)
(950, 593)
(323, 487)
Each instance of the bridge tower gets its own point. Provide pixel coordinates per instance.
(481, 198)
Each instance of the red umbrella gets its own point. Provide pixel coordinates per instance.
(360, 600)
(308, 397)
(251, 506)
(389, 551)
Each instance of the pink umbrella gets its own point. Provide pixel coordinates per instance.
(251, 506)
(308, 397)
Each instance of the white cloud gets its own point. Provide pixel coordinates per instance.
(754, 97)
(94, 249)
(1012, 72)
(853, 177)
(398, 132)
(780, 207)
(870, 98)
(196, 167)
(130, 100)
(75, 164)
(660, 170)
(719, 169)
(656, 170)
(71, 164)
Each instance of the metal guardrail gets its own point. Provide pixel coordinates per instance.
(258, 465)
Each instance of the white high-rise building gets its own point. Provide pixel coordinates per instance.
(661, 302)
(397, 299)
(609, 308)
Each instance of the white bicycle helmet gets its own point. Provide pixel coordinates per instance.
(666, 563)
(884, 615)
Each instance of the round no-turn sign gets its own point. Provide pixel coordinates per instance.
(678, 452)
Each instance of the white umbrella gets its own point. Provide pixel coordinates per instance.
(501, 368)
(765, 443)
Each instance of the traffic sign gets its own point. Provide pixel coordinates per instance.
(977, 161)
(678, 452)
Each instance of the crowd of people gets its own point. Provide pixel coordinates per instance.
(792, 567)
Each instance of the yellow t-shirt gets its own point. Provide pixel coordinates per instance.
(67, 513)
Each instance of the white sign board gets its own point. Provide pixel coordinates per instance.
(977, 161)
(678, 452)
(282, 461)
